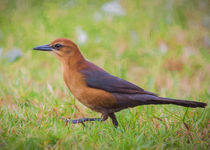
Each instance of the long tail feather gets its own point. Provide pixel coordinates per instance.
(132, 100)
(185, 103)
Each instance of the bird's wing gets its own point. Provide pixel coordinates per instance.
(96, 77)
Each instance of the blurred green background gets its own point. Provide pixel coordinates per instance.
(161, 45)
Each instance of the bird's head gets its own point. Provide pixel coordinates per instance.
(62, 48)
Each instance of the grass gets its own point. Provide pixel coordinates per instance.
(158, 45)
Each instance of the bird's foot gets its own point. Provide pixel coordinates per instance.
(81, 120)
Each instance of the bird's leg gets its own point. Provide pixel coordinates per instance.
(114, 120)
(104, 117)
(81, 120)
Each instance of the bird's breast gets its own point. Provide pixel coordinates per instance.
(75, 83)
(96, 99)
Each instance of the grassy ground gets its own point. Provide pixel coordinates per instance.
(162, 46)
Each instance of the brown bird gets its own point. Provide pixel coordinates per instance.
(97, 89)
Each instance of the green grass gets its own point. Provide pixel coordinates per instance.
(34, 98)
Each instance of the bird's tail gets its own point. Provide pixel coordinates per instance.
(185, 103)
(132, 100)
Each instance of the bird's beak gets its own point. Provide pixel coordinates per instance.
(43, 48)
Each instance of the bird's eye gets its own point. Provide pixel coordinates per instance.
(57, 46)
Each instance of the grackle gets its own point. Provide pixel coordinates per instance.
(97, 89)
